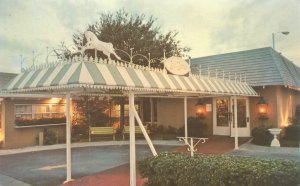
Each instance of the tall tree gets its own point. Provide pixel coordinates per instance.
(126, 31)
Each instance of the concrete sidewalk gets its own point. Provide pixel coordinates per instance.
(9, 181)
(249, 149)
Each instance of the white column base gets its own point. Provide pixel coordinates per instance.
(275, 143)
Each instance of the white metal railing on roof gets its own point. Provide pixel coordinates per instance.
(217, 73)
(206, 72)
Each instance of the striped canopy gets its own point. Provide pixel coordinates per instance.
(111, 76)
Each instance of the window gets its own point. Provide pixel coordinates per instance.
(41, 111)
(116, 112)
(23, 111)
(58, 111)
(39, 114)
(147, 110)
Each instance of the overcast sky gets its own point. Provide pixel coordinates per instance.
(208, 27)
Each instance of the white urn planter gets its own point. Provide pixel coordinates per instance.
(275, 141)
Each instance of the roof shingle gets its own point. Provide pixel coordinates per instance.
(5, 78)
(262, 66)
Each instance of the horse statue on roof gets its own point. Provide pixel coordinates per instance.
(94, 43)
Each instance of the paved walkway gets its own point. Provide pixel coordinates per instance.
(106, 163)
(248, 149)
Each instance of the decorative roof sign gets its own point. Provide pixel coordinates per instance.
(177, 66)
(94, 43)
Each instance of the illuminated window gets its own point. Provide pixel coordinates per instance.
(116, 112)
(38, 114)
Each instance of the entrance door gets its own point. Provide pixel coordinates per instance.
(222, 116)
(223, 120)
(243, 120)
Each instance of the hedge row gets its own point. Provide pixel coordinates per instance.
(178, 169)
(41, 121)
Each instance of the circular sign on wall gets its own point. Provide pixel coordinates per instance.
(177, 66)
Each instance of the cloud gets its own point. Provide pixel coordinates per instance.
(208, 27)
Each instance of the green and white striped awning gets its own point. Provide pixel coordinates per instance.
(111, 76)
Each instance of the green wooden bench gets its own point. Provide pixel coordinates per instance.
(102, 131)
(137, 129)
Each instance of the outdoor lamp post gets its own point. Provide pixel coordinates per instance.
(200, 108)
(273, 36)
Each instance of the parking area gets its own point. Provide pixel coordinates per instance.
(47, 167)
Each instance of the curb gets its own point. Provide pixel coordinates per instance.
(86, 144)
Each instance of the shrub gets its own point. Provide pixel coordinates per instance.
(261, 136)
(156, 129)
(196, 127)
(49, 137)
(177, 169)
(41, 121)
(164, 133)
(297, 115)
(292, 132)
(80, 131)
(291, 136)
(172, 130)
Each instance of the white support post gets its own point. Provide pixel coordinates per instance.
(144, 132)
(185, 118)
(151, 111)
(192, 147)
(68, 138)
(132, 140)
(236, 142)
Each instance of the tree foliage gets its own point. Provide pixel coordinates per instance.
(126, 31)
(92, 111)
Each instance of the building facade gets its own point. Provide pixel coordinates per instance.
(271, 75)
(275, 78)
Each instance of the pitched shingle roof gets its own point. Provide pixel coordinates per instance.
(5, 78)
(262, 66)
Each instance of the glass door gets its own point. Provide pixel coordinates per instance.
(243, 120)
(222, 116)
